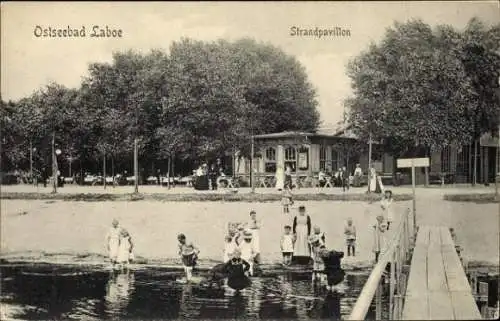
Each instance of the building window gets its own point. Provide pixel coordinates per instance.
(322, 158)
(291, 158)
(270, 160)
(335, 160)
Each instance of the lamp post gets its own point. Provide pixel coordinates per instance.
(56, 152)
(369, 160)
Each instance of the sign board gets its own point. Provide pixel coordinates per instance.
(303, 160)
(415, 162)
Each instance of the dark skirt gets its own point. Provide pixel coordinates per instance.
(239, 282)
(189, 260)
(335, 277)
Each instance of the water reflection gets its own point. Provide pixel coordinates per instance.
(31, 294)
(119, 289)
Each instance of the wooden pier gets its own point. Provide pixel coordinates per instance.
(437, 287)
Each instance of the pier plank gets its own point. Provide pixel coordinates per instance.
(437, 287)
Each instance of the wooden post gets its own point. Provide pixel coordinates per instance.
(378, 302)
(474, 180)
(414, 202)
(136, 167)
(369, 160)
(172, 162)
(104, 168)
(168, 171)
(31, 162)
(252, 178)
(54, 165)
(470, 164)
(113, 168)
(392, 285)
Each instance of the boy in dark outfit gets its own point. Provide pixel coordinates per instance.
(333, 270)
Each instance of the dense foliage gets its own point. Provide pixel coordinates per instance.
(200, 101)
(424, 87)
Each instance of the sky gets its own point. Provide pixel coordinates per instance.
(29, 62)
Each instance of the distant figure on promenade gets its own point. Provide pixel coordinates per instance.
(213, 173)
(302, 229)
(350, 235)
(280, 178)
(125, 254)
(287, 200)
(113, 241)
(358, 174)
(375, 183)
(189, 254)
(345, 178)
(386, 205)
(321, 178)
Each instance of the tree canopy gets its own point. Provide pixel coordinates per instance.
(200, 100)
(427, 87)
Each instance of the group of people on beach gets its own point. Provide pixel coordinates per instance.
(300, 244)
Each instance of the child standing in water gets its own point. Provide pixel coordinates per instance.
(113, 241)
(379, 236)
(317, 246)
(125, 249)
(189, 254)
(229, 248)
(287, 241)
(247, 250)
(286, 200)
(386, 204)
(236, 269)
(350, 235)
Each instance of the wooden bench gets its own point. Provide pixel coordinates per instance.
(437, 287)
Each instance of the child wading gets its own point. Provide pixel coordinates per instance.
(386, 204)
(379, 236)
(350, 236)
(317, 246)
(229, 248)
(248, 252)
(287, 241)
(333, 270)
(125, 254)
(236, 269)
(113, 241)
(189, 254)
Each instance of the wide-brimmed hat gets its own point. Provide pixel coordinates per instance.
(313, 238)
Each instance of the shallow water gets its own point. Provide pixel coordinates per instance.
(33, 292)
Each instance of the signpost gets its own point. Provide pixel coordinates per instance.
(412, 163)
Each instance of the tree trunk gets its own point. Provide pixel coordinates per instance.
(104, 169)
(113, 168)
(474, 181)
(168, 172)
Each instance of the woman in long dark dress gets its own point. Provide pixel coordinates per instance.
(236, 269)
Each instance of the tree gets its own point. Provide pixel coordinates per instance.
(414, 89)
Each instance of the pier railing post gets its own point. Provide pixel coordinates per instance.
(378, 302)
(392, 285)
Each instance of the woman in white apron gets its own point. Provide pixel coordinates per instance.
(302, 230)
(375, 183)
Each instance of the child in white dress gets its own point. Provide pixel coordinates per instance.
(247, 250)
(287, 241)
(229, 247)
(125, 249)
(113, 241)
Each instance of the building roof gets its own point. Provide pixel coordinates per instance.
(295, 134)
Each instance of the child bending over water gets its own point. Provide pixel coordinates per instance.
(189, 254)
